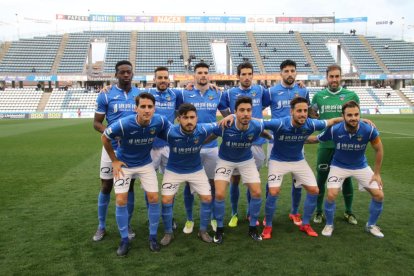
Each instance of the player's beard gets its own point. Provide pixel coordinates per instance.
(352, 125)
(188, 128)
(298, 121)
(246, 84)
(162, 86)
(289, 81)
(335, 88)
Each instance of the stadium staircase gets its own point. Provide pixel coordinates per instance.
(184, 45)
(374, 54)
(60, 53)
(43, 101)
(4, 49)
(133, 47)
(256, 52)
(305, 50)
(404, 98)
(374, 96)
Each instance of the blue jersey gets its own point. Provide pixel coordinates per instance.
(280, 97)
(206, 105)
(116, 104)
(257, 93)
(236, 144)
(185, 148)
(166, 105)
(349, 148)
(135, 141)
(289, 140)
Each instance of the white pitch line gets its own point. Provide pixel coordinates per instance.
(410, 137)
(403, 134)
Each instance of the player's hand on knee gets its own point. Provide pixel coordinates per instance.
(377, 178)
(117, 168)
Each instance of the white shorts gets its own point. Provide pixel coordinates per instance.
(198, 182)
(159, 158)
(300, 170)
(247, 169)
(209, 158)
(259, 158)
(106, 166)
(146, 175)
(269, 151)
(337, 176)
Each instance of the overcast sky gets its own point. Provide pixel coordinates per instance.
(24, 18)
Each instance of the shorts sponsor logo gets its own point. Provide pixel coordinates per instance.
(323, 167)
(223, 171)
(106, 170)
(121, 182)
(334, 179)
(273, 177)
(169, 186)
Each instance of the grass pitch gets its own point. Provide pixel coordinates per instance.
(49, 186)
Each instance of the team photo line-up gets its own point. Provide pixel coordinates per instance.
(140, 138)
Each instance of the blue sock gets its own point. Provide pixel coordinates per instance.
(330, 212)
(254, 207)
(103, 202)
(188, 202)
(130, 205)
(375, 209)
(205, 214)
(296, 196)
(270, 208)
(219, 212)
(154, 218)
(267, 189)
(146, 199)
(121, 213)
(167, 215)
(213, 196)
(234, 197)
(248, 202)
(308, 208)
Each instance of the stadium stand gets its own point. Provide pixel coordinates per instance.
(277, 47)
(156, 49)
(397, 55)
(34, 55)
(71, 100)
(19, 99)
(408, 91)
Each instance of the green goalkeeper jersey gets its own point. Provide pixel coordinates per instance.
(329, 105)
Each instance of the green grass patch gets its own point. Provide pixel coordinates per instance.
(49, 187)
